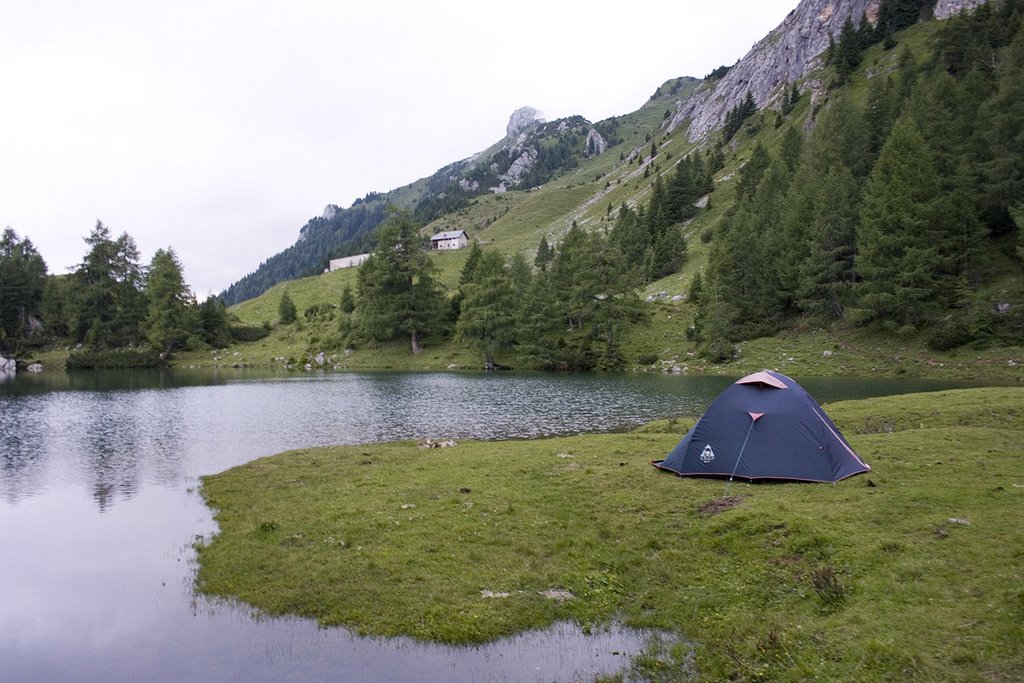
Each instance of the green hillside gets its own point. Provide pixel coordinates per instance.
(757, 232)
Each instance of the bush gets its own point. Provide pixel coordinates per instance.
(611, 360)
(717, 350)
(286, 309)
(249, 333)
(318, 310)
(949, 335)
(121, 359)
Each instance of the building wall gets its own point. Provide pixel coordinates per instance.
(347, 262)
(455, 243)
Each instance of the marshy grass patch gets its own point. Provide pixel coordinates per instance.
(910, 571)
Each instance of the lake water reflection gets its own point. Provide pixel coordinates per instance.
(98, 513)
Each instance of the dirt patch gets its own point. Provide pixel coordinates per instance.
(713, 507)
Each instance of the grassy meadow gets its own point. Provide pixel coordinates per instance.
(912, 571)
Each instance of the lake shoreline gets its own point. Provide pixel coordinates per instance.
(794, 581)
(813, 354)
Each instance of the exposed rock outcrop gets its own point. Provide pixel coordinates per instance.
(520, 167)
(522, 119)
(788, 53)
(8, 365)
(948, 8)
(596, 144)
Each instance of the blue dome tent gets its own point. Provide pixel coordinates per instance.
(765, 426)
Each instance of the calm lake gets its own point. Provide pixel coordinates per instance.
(99, 511)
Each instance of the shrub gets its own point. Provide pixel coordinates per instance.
(318, 310)
(949, 335)
(249, 333)
(611, 360)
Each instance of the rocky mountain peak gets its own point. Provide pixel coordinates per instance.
(789, 52)
(521, 119)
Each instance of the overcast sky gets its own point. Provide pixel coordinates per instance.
(221, 127)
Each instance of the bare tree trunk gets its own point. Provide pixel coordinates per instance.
(415, 345)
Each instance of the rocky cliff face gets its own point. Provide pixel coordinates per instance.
(522, 119)
(786, 54)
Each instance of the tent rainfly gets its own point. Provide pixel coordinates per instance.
(765, 426)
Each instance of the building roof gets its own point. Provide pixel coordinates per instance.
(449, 235)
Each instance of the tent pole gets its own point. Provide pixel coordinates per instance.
(739, 457)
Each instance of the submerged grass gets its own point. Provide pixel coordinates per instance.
(910, 572)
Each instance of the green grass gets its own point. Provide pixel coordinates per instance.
(910, 572)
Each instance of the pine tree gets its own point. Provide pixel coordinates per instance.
(753, 171)
(108, 305)
(469, 267)
(610, 286)
(398, 295)
(1003, 134)
(488, 321)
(544, 254)
(846, 55)
(899, 257)
(631, 237)
(286, 311)
(213, 322)
(348, 300)
(568, 262)
(826, 272)
(821, 213)
(170, 319)
(539, 324)
(22, 282)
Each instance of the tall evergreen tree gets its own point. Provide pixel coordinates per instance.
(753, 171)
(348, 300)
(488, 318)
(822, 210)
(826, 272)
(22, 281)
(540, 325)
(286, 310)
(631, 237)
(544, 254)
(846, 54)
(108, 303)
(170, 319)
(213, 322)
(398, 294)
(1003, 134)
(900, 244)
(611, 287)
(469, 267)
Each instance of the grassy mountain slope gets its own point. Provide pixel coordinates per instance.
(590, 194)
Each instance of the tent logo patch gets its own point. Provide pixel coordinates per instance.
(707, 455)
